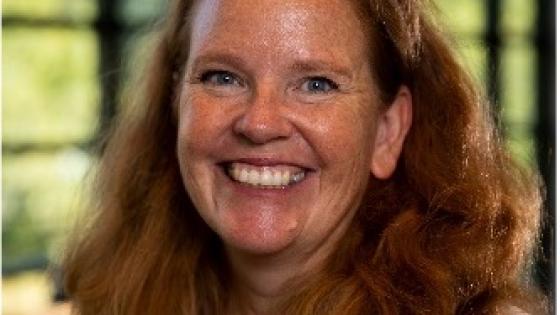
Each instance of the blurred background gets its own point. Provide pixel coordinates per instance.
(65, 63)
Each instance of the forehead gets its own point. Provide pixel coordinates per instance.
(330, 27)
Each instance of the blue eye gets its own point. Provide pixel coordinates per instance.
(319, 85)
(220, 78)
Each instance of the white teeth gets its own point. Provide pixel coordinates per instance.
(243, 176)
(254, 177)
(266, 177)
(286, 177)
(277, 178)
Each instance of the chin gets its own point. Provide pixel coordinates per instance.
(263, 238)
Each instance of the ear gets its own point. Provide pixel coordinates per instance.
(393, 124)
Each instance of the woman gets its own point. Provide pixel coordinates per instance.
(305, 157)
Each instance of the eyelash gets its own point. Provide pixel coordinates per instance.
(208, 77)
(331, 84)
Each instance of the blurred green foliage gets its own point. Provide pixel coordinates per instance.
(50, 85)
(136, 12)
(75, 10)
(464, 17)
(50, 97)
(518, 112)
(518, 17)
(466, 21)
(41, 196)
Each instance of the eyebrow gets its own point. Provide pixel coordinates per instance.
(313, 65)
(219, 57)
(301, 66)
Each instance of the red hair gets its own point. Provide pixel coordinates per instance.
(451, 232)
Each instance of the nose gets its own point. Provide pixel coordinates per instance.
(262, 120)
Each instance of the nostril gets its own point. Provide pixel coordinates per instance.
(262, 134)
(262, 125)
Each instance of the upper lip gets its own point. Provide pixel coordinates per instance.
(268, 161)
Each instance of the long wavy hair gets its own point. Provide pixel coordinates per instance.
(451, 232)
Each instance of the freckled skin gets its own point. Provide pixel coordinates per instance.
(265, 44)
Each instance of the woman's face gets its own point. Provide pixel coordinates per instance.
(277, 121)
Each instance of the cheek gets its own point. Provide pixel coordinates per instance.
(200, 123)
(345, 133)
(199, 127)
(194, 118)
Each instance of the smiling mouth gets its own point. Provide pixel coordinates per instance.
(272, 177)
